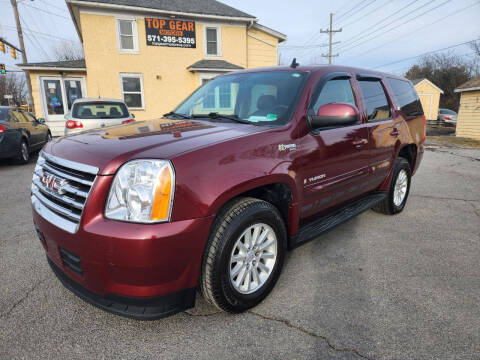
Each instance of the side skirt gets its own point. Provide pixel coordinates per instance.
(313, 229)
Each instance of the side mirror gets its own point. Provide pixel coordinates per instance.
(333, 115)
(132, 116)
(41, 120)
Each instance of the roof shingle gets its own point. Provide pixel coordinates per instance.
(204, 7)
(214, 65)
(73, 64)
(472, 84)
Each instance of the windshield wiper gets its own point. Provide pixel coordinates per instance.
(173, 113)
(216, 115)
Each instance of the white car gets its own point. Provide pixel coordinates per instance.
(88, 114)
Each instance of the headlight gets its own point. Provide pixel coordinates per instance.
(142, 192)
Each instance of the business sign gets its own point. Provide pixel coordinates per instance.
(173, 33)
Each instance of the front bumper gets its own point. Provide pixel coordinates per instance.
(134, 270)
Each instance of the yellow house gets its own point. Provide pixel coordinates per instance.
(468, 121)
(150, 53)
(429, 94)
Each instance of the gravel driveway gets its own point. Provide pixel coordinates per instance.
(377, 287)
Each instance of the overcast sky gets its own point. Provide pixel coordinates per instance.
(374, 32)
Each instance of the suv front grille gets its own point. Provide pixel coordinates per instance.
(60, 190)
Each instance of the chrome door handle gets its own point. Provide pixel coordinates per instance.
(394, 132)
(358, 143)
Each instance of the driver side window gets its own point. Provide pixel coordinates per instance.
(335, 91)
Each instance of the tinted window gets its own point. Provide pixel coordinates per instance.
(103, 110)
(407, 97)
(335, 91)
(376, 101)
(4, 114)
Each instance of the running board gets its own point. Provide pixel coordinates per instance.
(311, 230)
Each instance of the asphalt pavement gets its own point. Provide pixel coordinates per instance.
(376, 287)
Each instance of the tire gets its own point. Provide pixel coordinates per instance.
(24, 153)
(233, 223)
(390, 205)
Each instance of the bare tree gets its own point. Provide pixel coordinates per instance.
(68, 50)
(447, 71)
(475, 46)
(13, 84)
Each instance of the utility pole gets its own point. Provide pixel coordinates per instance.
(24, 54)
(330, 32)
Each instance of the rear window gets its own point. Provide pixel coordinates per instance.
(407, 97)
(447, 112)
(96, 110)
(4, 114)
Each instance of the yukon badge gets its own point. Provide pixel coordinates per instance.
(290, 147)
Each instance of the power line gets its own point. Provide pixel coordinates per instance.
(33, 39)
(426, 53)
(353, 8)
(420, 28)
(378, 23)
(46, 11)
(55, 6)
(40, 33)
(356, 13)
(397, 26)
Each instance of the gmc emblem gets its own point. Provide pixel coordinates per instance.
(53, 183)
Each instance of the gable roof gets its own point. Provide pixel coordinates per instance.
(70, 65)
(470, 85)
(416, 82)
(203, 7)
(214, 65)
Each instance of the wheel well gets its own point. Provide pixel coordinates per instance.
(278, 194)
(409, 152)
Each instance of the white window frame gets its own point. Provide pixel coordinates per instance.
(218, 28)
(142, 93)
(135, 49)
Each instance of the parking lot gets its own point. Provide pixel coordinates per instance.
(377, 287)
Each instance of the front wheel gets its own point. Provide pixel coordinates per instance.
(244, 255)
(398, 191)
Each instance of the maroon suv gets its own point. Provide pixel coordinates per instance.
(136, 218)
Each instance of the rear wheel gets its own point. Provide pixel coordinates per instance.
(398, 191)
(24, 154)
(244, 255)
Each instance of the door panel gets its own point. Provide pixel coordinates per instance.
(334, 170)
(333, 162)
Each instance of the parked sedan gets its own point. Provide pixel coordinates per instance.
(447, 117)
(21, 134)
(88, 114)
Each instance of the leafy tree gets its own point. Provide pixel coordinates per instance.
(447, 71)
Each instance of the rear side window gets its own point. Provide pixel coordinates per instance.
(4, 114)
(96, 110)
(407, 97)
(335, 91)
(376, 102)
(18, 116)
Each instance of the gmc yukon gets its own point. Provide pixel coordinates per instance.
(136, 218)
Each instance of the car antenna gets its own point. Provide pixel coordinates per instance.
(294, 63)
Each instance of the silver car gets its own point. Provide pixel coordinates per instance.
(88, 114)
(447, 117)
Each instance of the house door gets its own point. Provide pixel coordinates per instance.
(58, 93)
(427, 100)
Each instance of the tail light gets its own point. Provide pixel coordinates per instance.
(72, 124)
(447, 118)
(2, 129)
(128, 121)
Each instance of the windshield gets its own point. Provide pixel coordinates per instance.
(268, 98)
(448, 112)
(99, 110)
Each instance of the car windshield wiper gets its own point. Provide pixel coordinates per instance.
(173, 113)
(216, 115)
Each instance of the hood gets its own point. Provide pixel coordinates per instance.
(108, 148)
